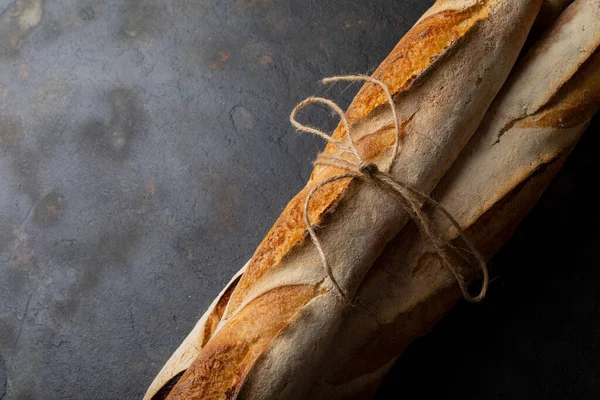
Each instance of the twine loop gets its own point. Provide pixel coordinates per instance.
(410, 199)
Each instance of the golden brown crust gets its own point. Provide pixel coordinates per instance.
(416, 52)
(217, 313)
(575, 103)
(239, 344)
(413, 55)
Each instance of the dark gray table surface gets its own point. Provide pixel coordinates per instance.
(144, 152)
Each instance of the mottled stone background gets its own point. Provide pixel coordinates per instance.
(144, 152)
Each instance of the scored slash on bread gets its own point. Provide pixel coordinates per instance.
(282, 317)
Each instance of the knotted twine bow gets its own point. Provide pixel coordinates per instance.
(410, 199)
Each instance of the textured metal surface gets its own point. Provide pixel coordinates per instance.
(144, 152)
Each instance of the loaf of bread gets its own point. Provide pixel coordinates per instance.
(267, 334)
(525, 137)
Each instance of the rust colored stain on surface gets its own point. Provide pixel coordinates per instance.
(223, 58)
(48, 209)
(8, 134)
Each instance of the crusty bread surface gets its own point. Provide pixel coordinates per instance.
(280, 319)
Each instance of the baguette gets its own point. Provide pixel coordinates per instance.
(276, 324)
(522, 142)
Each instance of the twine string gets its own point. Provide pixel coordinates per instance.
(410, 199)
